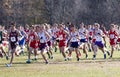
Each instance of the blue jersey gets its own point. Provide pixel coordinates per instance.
(22, 39)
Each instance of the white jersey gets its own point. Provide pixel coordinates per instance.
(90, 32)
(119, 32)
(74, 36)
(97, 35)
(42, 37)
(54, 31)
(82, 33)
(49, 31)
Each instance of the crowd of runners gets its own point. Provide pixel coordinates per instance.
(45, 39)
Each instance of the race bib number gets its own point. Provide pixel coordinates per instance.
(61, 37)
(98, 38)
(41, 40)
(74, 39)
(111, 36)
(82, 36)
(13, 39)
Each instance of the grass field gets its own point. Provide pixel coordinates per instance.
(59, 68)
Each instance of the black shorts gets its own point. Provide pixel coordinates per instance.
(57, 40)
(74, 45)
(42, 46)
(90, 38)
(13, 45)
(49, 43)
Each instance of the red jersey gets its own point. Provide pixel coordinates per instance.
(61, 35)
(32, 36)
(112, 34)
(27, 31)
(33, 43)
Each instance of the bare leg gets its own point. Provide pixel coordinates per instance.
(12, 56)
(50, 50)
(102, 49)
(95, 51)
(35, 54)
(62, 50)
(42, 53)
(70, 53)
(112, 50)
(29, 54)
(85, 51)
(77, 54)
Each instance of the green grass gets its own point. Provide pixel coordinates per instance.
(59, 68)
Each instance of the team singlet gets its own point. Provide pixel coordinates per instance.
(13, 36)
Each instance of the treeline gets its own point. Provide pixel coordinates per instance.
(57, 11)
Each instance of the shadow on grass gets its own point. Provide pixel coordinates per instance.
(89, 60)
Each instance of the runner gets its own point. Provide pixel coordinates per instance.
(13, 40)
(113, 38)
(33, 43)
(74, 42)
(90, 34)
(2, 51)
(22, 39)
(43, 35)
(83, 38)
(49, 41)
(98, 43)
(55, 41)
(62, 34)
